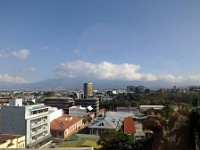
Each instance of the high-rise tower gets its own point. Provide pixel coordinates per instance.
(88, 90)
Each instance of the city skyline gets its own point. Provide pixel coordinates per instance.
(82, 41)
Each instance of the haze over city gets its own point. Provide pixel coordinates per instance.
(148, 42)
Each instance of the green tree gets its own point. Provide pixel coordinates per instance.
(111, 140)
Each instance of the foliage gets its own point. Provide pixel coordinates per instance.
(49, 94)
(118, 140)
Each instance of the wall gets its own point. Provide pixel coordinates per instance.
(12, 120)
(55, 114)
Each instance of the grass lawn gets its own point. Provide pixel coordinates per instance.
(82, 143)
(79, 137)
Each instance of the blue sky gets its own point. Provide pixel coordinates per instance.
(128, 40)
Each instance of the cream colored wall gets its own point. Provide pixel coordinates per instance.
(15, 143)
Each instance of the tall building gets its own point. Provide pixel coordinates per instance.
(88, 90)
(31, 121)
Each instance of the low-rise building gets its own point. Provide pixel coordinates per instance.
(85, 102)
(111, 121)
(12, 141)
(65, 125)
(77, 111)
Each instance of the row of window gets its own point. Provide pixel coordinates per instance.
(38, 136)
(39, 111)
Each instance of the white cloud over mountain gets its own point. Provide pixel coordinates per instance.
(11, 79)
(103, 70)
(21, 54)
(110, 71)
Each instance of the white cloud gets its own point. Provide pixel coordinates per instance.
(168, 77)
(103, 70)
(21, 54)
(109, 71)
(31, 69)
(11, 79)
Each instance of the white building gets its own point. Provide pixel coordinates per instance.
(31, 121)
(77, 111)
(146, 107)
(54, 113)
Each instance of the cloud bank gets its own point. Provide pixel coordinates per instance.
(11, 79)
(110, 71)
(103, 70)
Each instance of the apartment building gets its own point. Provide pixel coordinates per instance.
(31, 121)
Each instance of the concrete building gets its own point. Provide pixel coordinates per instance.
(88, 90)
(60, 102)
(85, 102)
(15, 102)
(31, 121)
(54, 113)
(77, 111)
(12, 141)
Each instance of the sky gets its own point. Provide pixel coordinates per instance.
(110, 40)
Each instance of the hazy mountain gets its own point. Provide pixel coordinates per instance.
(77, 84)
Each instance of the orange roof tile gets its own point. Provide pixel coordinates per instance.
(3, 101)
(129, 125)
(102, 110)
(63, 122)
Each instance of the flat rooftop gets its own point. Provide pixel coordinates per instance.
(60, 98)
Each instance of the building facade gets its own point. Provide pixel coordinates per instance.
(31, 121)
(60, 102)
(86, 102)
(88, 90)
(77, 111)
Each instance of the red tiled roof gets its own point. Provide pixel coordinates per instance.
(3, 101)
(102, 110)
(63, 122)
(129, 125)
